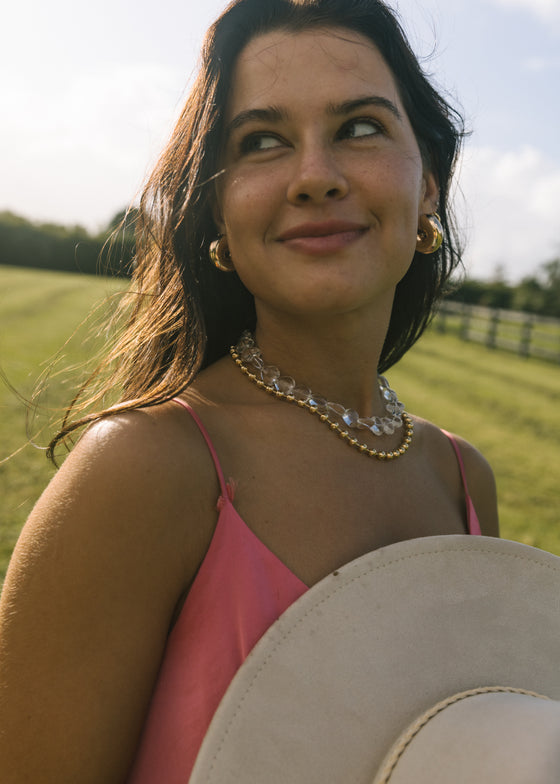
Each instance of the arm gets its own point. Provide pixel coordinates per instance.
(86, 606)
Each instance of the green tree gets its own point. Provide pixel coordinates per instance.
(25, 243)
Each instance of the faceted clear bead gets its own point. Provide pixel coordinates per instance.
(318, 402)
(246, 340)
(301, 393)
(285, 384)
(270, 374)
(350, 417)
(248, 354)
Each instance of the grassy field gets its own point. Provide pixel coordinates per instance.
(39, 311)
(505, 405)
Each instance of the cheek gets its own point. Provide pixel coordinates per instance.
(247, 202)
(402, 180)
(391, 188)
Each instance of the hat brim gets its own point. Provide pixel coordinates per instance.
(332, 684)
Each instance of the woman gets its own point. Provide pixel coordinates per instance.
(307, 166)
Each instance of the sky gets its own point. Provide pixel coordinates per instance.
(90, 93)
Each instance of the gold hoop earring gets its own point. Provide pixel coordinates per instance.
(430, 234)
(220, 255)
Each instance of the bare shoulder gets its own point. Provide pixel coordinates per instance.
(136, 477)
(482, 486)
(89, 594)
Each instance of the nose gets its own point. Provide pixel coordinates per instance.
(317, 176)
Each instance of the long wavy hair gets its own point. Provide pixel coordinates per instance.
(181, 313)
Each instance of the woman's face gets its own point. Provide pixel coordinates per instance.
(324, 182)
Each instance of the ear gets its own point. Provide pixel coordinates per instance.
(430, 193)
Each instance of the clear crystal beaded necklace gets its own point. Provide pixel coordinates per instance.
(247, 356)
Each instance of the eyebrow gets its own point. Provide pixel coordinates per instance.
(347, 107)
(277, 114)
(270, 114)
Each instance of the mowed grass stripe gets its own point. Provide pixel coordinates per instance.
(540, 377)
(503, 397)
(514, 427)
(39, 311)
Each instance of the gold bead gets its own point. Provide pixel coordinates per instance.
(334, 426)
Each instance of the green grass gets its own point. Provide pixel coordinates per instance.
(39, 311)
(505, 405)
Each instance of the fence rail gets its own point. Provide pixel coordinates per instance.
(524, 333)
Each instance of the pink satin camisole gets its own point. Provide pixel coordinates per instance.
(240, 589)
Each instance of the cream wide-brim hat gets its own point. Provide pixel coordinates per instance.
(429, 661)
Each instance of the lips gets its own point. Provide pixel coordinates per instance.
(321, 229)
(322, 238)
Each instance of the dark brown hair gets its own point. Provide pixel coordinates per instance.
(183, 314)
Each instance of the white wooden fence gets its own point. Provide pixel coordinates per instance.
(524, 333)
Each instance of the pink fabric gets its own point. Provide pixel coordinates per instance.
(239, 591)
(473, 523)
(241, 588)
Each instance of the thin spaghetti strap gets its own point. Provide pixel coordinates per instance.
(223, 484)
(455, 446)
(472, 517)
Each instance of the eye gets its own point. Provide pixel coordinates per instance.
(359, 128)
(259, 142)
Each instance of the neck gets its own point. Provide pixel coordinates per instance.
(337, 359)
(250, 361)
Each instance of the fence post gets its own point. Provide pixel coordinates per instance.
(493, 329)
(441, 321)
(465, 322)
(525, 341)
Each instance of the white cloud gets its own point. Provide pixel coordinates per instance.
(540, 64)
(547, 10)
(512, 202)
(83, 147)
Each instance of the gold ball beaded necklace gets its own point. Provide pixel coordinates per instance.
(247, 356)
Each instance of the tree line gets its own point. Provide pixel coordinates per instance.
(25, 243)
(538, 293)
